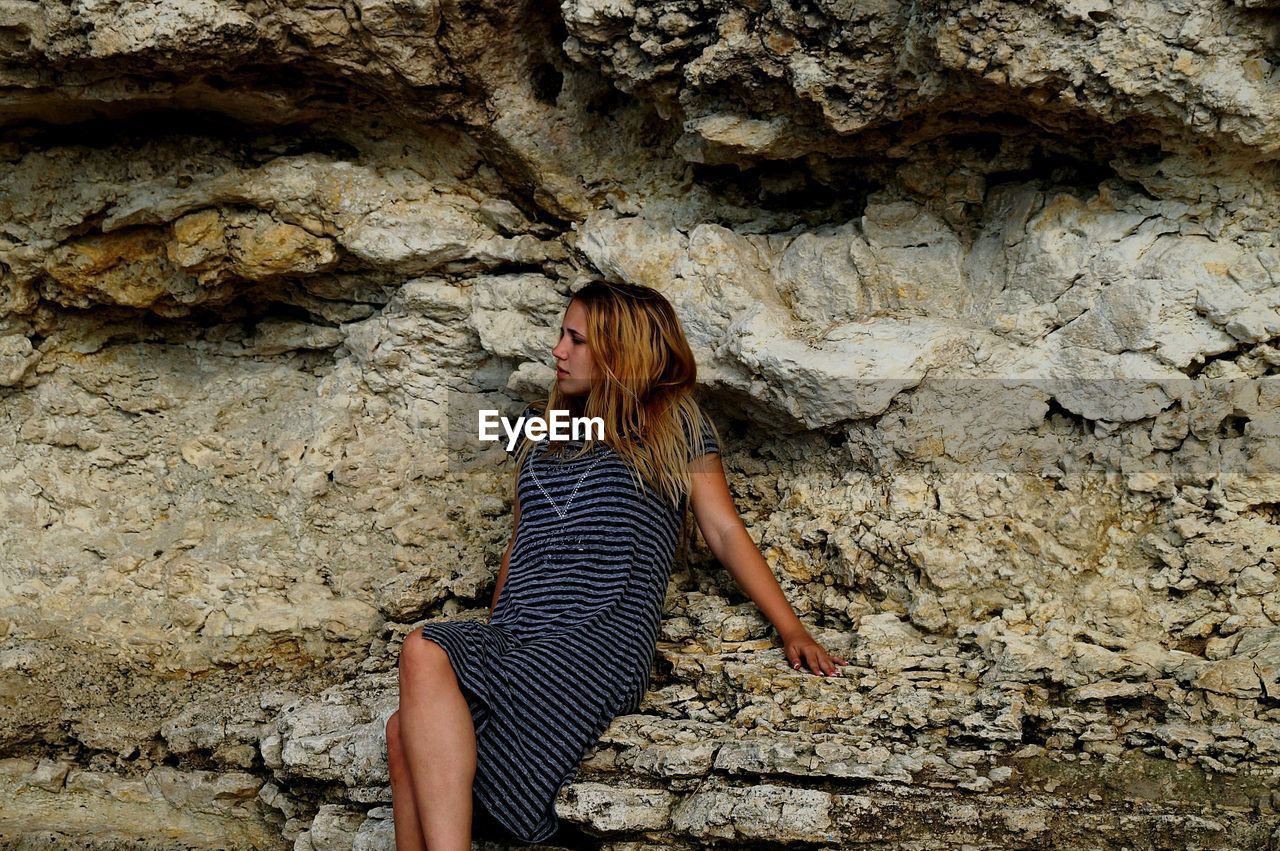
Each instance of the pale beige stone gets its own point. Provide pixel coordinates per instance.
(987, 297)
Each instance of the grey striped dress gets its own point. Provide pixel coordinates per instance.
(571, 642)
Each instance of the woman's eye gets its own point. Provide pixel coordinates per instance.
(572, 338)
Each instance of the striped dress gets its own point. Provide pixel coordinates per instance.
(571, 641)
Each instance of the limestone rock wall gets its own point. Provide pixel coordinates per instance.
(985, 300)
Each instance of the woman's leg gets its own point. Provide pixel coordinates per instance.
(439, 742)
(404, 811)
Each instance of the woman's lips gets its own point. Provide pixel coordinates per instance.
(561, 372)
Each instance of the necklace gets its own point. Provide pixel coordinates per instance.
(572, 495)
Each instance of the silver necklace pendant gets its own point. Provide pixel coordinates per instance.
(562, 513)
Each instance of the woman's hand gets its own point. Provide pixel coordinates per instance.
(802, 649)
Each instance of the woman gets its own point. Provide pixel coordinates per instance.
(504, 711)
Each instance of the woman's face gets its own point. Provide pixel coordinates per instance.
(575, 365)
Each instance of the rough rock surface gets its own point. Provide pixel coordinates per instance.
(986, 300)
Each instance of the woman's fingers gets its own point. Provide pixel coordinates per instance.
(813, 657)
(818, 662)
(799, 656)
(829, 662)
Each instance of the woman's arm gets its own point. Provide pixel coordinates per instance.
(506, 557)
(718, 520)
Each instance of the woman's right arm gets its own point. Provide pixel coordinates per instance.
(506, 557)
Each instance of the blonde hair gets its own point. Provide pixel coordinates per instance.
(644, 390)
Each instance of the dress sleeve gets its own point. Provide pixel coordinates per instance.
(706, 442)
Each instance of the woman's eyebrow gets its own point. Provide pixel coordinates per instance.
(571, 330)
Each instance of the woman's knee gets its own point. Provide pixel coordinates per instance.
(421, 658)
(397, 764)
(393, 732)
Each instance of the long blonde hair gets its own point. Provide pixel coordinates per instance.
(644, 390)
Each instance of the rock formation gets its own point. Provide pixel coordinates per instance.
(985, 300)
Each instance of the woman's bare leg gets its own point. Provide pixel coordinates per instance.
(439, 742)
(404, 810)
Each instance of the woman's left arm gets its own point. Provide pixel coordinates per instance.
(718, 520)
